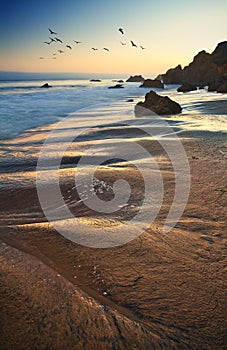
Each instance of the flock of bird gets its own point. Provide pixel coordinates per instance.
(54, 39)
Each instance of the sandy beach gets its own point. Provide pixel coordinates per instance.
(159, 291)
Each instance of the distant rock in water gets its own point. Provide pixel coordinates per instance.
(95, 80)
(205, 69)
(150, 83)
(118, 86)
(161, 105)
(130, 100)
(186, 87)
(46, 85)
(135, 79)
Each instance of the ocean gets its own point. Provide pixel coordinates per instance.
(24, 105)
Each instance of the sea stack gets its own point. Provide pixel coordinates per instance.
(159, 105)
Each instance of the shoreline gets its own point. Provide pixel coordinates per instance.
(169, 293)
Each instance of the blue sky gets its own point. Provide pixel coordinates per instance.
(172, 32)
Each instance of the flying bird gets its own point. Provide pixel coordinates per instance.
(47, 42)
(121, 30)
(52, 40)
(93, 48)
(60, 51)
(41, 58)
(133, 44)
(51, 31)
(77, 42)
(59, 40)
(105, 48)
(123, 43)
(143, 48)
(69, 47)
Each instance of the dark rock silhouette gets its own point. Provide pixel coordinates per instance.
(186, 87)
(173, 76)
(161, 105)
(150, 83)
(222, 88)
(118, 86)
(46, 85)
(205, 69)
(95, 80)
(135, 79)
(130, 100)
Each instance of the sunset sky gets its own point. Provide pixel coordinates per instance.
(172, 31)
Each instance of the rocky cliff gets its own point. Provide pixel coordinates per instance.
(205, 69)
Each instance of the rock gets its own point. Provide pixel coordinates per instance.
(219, 86)
(46, 85)
(222, 88)
(120, 81)
(186, 87)
(173, 76)
(161, 105)
(159, 77)
(130, 100)
(150, 83)
(118, 86)
(95, 80)
(202, 70)
(213, 86)
(205, 69)
(135, 79)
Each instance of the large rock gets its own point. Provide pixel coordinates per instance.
(173, 75)
(219, 86)
(222, 88)
(135, 79)
(202, 70)
(161, 105)
(150, 83)
(186, 87)
(205, 69)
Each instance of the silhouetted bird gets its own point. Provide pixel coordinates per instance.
(54, 54)
(69, 47)
(133, 44)
(143, 48)
(52, 40)
(93, 48)
(105, 48)
(123, 43)
(121, 30)
(47, 42)
(54, 58)
(41, 58)
(59, 40)
(60, 51)
(51, 31)
(77, 42)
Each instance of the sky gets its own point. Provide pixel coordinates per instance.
(172, 31)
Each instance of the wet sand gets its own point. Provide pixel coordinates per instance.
(160, 291)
